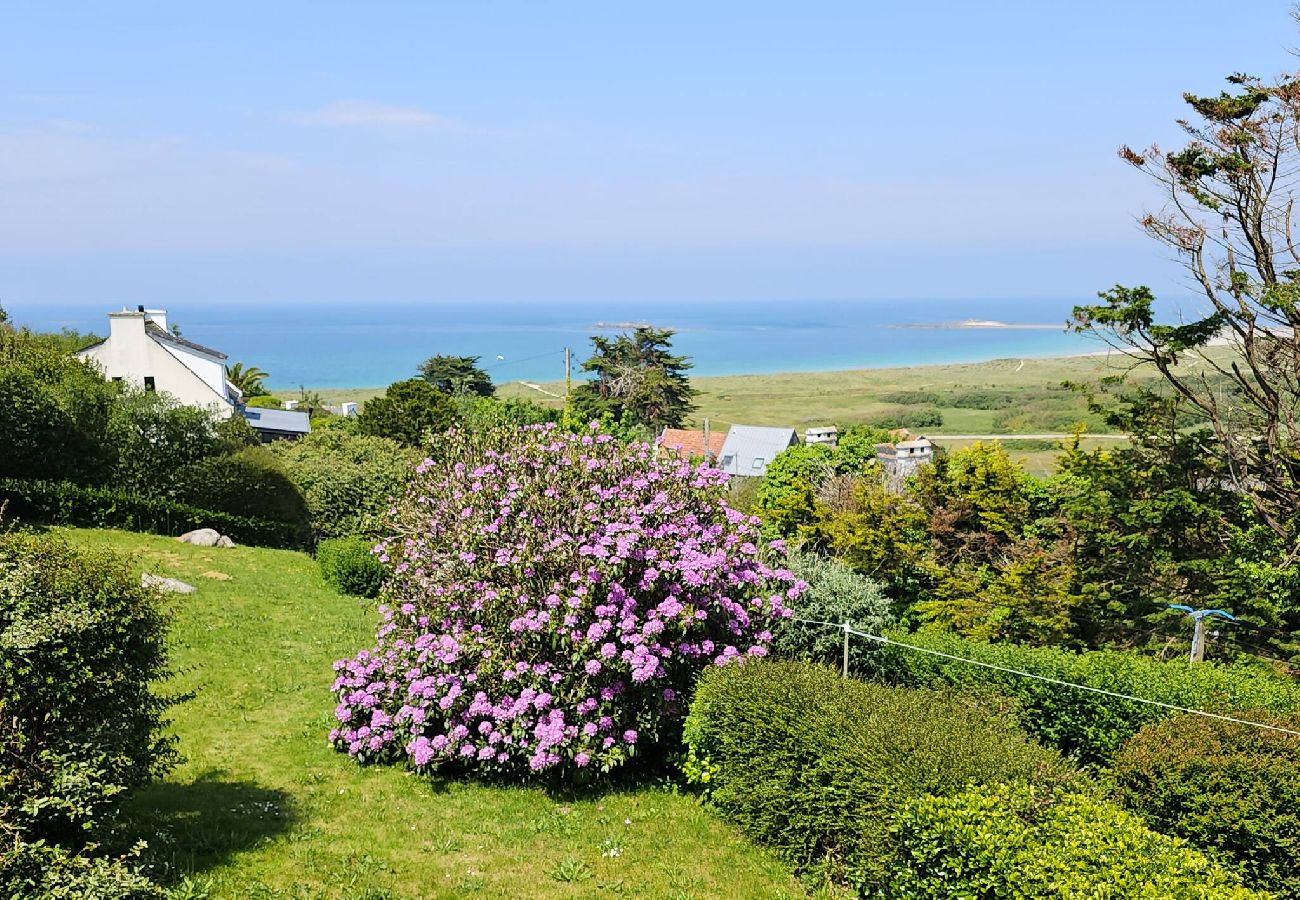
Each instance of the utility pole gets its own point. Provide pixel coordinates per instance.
(568, 375)
(1198, 628)
(708, 450)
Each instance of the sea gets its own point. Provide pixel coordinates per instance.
(372, 344)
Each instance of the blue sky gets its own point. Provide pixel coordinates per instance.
(344, 153)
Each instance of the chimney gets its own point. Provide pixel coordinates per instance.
(157, 316)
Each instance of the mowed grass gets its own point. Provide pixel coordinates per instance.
(262, 807)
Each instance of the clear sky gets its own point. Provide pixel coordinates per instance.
(479, 152)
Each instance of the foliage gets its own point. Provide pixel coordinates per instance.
(247, 379)
(909, 417)
(638, 381)
(407, 412)
(1229, 220)
(552, 597)
(1088, 726)
(234, 433)
(489, 412)
(250, 482)
(1013, 842)
(837, 594)
(264, 401)
(53, 411)
(64, 503)
(817, 766)
(81, 648)
(348, 480)
(1219, 785)
(457, 375)
(349, 565)
(154, 437)
(51, 872)
(786, 499)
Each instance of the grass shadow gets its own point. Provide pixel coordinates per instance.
(192, 827)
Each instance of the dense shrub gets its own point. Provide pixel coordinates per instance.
(349, 565)
(250, 482)
(348, 480)
(909, 417)
(1088, 726)
(407, 412)
(1013, 842)
(61, 503)
(81, 647)
(553, 597)
(1224, 786)
(154, 437)
(835, 593)
(979, 399)
(817, 765)
(912, 398)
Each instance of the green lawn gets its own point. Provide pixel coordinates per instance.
(262, 807)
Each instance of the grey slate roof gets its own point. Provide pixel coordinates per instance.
(283, 420)
(749, 448)
(165, 336)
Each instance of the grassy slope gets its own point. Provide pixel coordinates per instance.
(263, 808)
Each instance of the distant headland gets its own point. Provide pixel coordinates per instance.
(982, 323)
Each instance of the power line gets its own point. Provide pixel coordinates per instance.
(1082, 687)
(511, 362)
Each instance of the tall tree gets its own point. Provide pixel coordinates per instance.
(457, 375)
(248, 379)
(1228, 217)
(638, 380)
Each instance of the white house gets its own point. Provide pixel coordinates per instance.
(140, 350)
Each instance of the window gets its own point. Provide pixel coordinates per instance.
(758, 462)
(117, 378)
(148, 383)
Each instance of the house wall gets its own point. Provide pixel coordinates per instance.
(130, 354)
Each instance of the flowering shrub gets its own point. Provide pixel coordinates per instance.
(553, 597)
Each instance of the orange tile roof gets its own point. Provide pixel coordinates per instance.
(679, 442)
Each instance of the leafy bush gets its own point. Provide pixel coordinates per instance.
(81, 646)
(51, 872)
(817, 765)
(348, 565)
(836, 594)
(154, 436)
(979, 399)
(61, 503)
(552, 597)
(348, 480)
(909, 417)
(911, 398)
(1088, 726)
(1013, 842)
(406, 412)
(1230, 787)
(250, 482)
(264, 401)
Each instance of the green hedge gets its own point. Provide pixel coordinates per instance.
(1014, 843)
(62, 503)
(82, 650)
(1229, 787)
(1087, 726)
(348, 565)
(816, 765)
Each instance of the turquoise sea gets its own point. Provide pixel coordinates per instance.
(372, 344)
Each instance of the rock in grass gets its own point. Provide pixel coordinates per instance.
(206, 537)
(167, 585)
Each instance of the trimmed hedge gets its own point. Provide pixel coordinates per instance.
(1086, 726)
(63, 503)
(250, 482)
(348, 565)
(1229, 787)
(816, 765)
(1015, 843)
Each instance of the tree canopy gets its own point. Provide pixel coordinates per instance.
(1231, 193)
(407, 412)
(638, 380)
(457, 375)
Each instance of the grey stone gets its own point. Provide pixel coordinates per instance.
(167, 585)
(224, 542)
(202, 537)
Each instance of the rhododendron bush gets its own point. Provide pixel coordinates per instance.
(553, 598)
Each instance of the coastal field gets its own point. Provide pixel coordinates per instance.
(1025, 402)
(263, 808)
